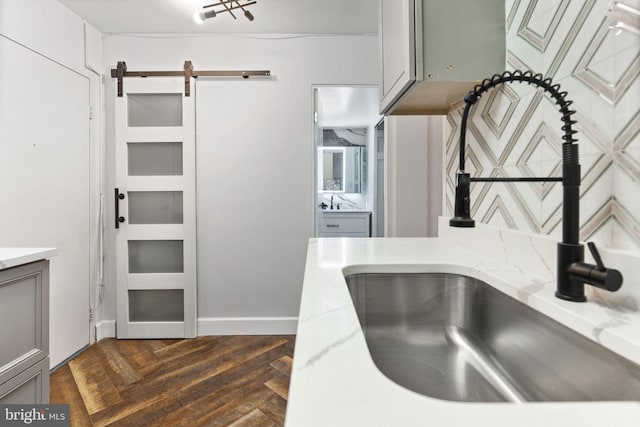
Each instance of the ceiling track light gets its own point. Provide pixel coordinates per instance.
(209, 11)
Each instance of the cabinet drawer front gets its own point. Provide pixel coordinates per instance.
(23, 317)
(334, 225)
(347, 225)
(354, 224)
(28, 387)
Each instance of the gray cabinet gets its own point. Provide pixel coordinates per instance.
(24, 332)
(345, 224)
(433, 52)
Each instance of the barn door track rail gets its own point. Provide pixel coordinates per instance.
(121, 72)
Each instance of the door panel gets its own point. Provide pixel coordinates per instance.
(143, 305)
(155, 175)
(154, 158)
(155, 207)
(154, 109)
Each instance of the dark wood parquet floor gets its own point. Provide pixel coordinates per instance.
(237, 381)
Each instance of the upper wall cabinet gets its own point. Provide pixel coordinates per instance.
(434, 51)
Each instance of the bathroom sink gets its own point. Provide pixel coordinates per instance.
(456, 338)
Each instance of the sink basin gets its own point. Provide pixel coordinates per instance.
(457, 338)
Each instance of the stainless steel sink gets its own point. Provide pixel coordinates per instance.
(457, 338)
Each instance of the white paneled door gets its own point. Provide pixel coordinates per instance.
(155, 209)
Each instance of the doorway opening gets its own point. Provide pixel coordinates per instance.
(346, 197)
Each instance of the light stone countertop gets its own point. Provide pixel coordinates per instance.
(335, 382)
(12, 257)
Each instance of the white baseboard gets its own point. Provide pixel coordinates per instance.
(247, 325)
(223, 326)
(105, 329)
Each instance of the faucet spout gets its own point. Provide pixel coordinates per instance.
(573, 273)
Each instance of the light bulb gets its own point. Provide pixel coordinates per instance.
(200, 16)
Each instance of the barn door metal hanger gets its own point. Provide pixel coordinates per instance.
(121, 72)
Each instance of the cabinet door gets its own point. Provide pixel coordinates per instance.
(24, 317)
(397, 48)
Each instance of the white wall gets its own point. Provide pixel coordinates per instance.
(254, 165)
(435, 174)
(48, 156)
(413, 155)
(46, 27)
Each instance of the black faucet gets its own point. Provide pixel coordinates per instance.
(573, 272)
(331, 202)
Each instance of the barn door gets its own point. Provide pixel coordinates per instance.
(156, 210)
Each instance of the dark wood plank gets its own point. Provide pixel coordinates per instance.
(255, 418)
(186, 347)
(95, 386)
(288, 347)
(195, 367)
(279, 384)
(159, 344)
(283, 365)
(220, 381)
(234, 410)
(117, 366)
(275, 408)
(139, 353)
(209, 395)
(63, 390)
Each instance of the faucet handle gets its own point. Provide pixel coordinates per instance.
(596, 256)
(595, 275)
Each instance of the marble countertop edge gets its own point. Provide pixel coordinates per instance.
(12, 257)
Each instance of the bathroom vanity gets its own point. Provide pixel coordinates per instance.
(337, 223)
(24, 325)
(335, 380)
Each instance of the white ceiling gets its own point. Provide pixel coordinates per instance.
(339, 106)
(271, 16)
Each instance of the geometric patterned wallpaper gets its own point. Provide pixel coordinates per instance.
(592, 49)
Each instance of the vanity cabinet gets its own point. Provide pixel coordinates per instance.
(433, 52)
(345, 224)
(24, 333)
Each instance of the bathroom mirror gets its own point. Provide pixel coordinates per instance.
(341, 161)
(333, 169)
(340, 169)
